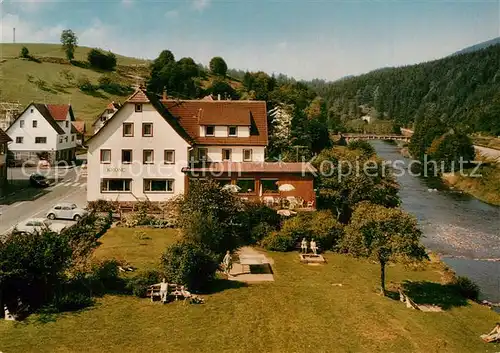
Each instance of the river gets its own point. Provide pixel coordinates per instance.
(464, 230)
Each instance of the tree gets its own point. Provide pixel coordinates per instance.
(31, 267)
(25, 53)
(343, 181)
(384, 235)
(450, 149)
(218, 66)
(210, 216)
(223, 89)
(361, 145)
(69, 43)
(318, 136)
(189, 264)
(100, 60)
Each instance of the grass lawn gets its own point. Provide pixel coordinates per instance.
(301, 311)
(10, 50)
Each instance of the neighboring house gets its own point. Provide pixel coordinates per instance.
(43, 130)
(4, 139)
(367, 118)
(79, 130)
(150, 149)
(105, 115)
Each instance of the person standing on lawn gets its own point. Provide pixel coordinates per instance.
(228, 263)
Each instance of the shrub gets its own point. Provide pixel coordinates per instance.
(363, 146)
(278, 241)
(84, 84)
(139, 284)
(211, 216)
(102, 206)
(259, 232)
(326, 230)
(297, 227)
(189, 264)
(25, 53)
(71, 301)
(100, 60)
(467, 288)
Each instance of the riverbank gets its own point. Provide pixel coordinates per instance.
(485, 187)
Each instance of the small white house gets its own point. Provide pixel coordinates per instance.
(43, 131)
(111, 109)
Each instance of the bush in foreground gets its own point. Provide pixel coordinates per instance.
(467, 288)
(189, 264)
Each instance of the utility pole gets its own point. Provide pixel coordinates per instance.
(14, 35)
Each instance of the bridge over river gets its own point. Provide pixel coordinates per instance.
(349, 137)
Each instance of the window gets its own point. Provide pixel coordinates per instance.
(247, 186)
(226, 154)
(148, 156)
(19, 139)
(233, 131)
(31, 110)
(105, 156)
(65, 138)
(128, 129)
(60, 139)
(147, 129)
(67, 123)
(72, 138)
(269, 186)
(103, 118)
(127, 156)
(35, 123)
(247, 155)
(169, 157)
(40, 140)
(158, 185)
(202, 154)
(138, 108)
(21, 123)
(116, 185)
(223, 182)
(209, 130)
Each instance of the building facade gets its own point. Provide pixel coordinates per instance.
(107, 113)
(151, 148)
(43, 131)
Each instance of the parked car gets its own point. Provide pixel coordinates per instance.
(38, 180)
(66, 211)
(33, 225)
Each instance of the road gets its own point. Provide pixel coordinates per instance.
(68, 186)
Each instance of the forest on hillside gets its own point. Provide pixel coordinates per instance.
(462, 91)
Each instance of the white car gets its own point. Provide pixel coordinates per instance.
(33, 225)
(66, 211)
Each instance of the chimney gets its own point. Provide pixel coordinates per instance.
(218, 97)
(165, 96)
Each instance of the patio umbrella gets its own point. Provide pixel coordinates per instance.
(231, 187)
(286, 187)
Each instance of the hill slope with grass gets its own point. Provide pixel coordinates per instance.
(49, 77)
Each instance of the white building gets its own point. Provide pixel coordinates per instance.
(141, 151)
(43, 130)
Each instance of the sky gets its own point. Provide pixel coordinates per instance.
(306, 39)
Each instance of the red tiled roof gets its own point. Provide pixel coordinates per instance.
(139, 96)
(253, 167)
(58, 111)
(79, 126)
(113, 105)
(4, 138)
(193, 113)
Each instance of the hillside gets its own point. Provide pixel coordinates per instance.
(50, 67)
(478, 46)
(461, 90)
